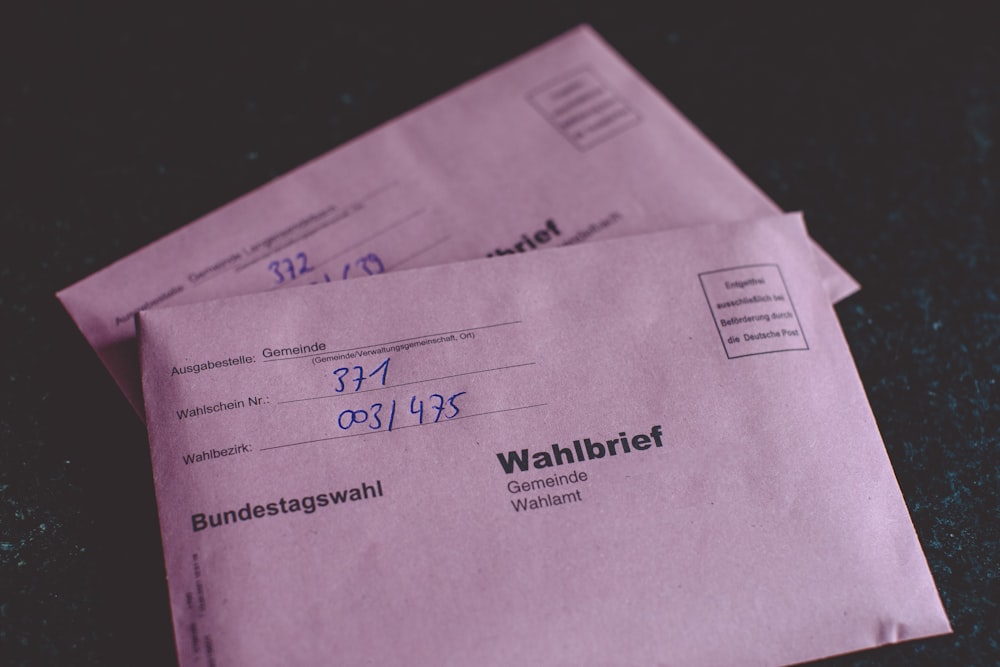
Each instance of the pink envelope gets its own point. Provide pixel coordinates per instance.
(564, 145)
(653, 450)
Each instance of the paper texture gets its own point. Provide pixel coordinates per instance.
(654, 450)
(564, 145)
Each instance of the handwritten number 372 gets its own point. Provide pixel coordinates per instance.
(287, 269)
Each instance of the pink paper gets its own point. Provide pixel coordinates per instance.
(653, 450)
(565, 144)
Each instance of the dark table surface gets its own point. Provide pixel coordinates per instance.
(119, 125)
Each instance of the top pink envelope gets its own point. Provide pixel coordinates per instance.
(649, 451)
(563, 145)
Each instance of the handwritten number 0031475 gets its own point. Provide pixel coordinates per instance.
(375, 419)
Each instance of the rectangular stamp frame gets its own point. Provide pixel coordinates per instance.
(581, 145)
(788, 295)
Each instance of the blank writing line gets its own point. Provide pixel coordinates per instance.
(379, 190)
(399, 428)
(393, 342)
(422, 251)
(404, 219)
(404, 384)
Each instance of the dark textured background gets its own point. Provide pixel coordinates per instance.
(119, 125)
